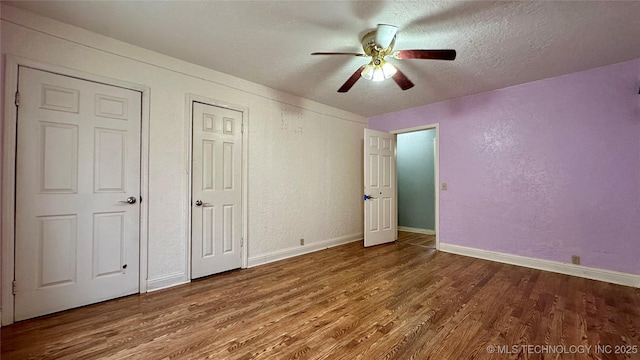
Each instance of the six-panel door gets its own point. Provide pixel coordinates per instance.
(216, 228)
(380, 221)
(78, 161)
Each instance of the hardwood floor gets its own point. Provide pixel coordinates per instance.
(394, 301)
(417, 239)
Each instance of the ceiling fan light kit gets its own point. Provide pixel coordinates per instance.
(378, 44)
(378, 72)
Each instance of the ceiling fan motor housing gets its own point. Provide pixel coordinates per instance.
(370, 48)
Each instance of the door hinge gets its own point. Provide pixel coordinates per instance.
(13, 287)
(242, 128)
(17, 101)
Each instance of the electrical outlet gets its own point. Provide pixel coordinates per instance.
(301, 241)
(444, 186)
(575, 259)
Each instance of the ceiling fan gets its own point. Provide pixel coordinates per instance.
(378, 44)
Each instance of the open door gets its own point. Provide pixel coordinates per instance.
(380, 221)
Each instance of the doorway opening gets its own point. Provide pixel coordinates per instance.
(417, 185)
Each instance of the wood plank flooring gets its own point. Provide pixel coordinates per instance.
(394, 301)
(417, 239)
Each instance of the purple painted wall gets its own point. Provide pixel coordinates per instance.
(546, 169)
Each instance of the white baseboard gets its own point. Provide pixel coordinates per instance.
(180, 278)
(610, 276)
(166, 281)
(301, 250)
(416, 230)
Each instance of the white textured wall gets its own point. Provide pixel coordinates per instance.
(305, 178)
(305, 158)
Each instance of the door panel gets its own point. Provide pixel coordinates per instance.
(110, 160)
(380, 224)
(58, 155)
(108, 243)
(56, 250)
(77, 161)
(216, 229)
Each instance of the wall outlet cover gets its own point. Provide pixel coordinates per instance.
(575, 259)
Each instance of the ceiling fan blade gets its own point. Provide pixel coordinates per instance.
(338, 53)
(352, 80)
(402, 80)
(384, 35)
(425, 54)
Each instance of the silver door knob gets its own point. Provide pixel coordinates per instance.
(130, 200)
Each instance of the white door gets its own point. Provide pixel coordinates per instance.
(380, 224)
(78, 161)
(216, 218)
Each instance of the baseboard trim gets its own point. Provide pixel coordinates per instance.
(416, 230)
(610, 276)
(166, 282)
(301, 250)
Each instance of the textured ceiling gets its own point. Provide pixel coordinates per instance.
(499, 44)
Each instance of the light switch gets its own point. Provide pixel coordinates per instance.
(444, 186)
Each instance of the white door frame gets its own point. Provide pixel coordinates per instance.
(435, 126)
(9, 170)
(190, 98)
